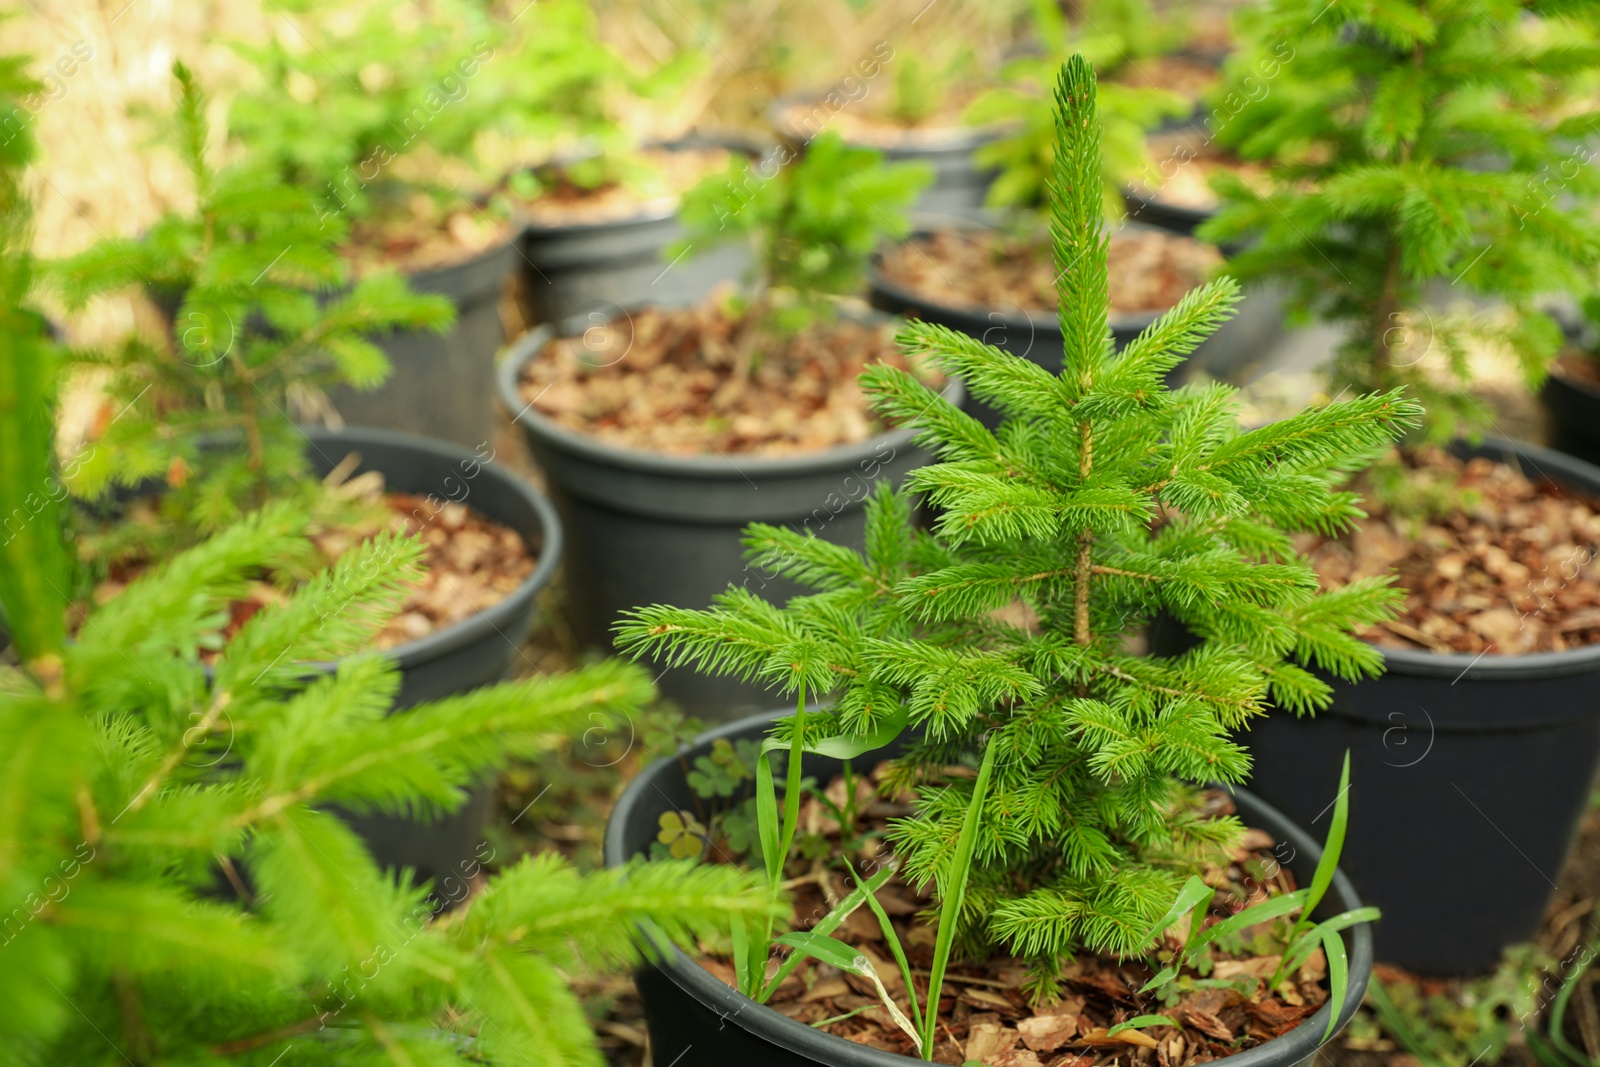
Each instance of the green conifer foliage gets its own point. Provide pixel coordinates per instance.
(1413, 143)
(262, 321)
(1103, 501)
(172, 889)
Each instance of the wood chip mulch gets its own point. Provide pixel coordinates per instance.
(1150, 270)
(425, 237)
(472, 562)
(985, 1017)
(1511, 570)
(705, 380)
(1181, 168)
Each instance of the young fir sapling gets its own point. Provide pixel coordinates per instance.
(260, 329)
(337, 102)
(1103, 501)
(1022, 106)
(1415, 148)
(814, 222)
(171, 889)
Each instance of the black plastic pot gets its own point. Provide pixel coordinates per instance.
(1469, 777)
(645, 528)
(475, 652)
(697, 1021)
(1163, 214)
(1573, 408)
(442, 384)
(960, 186)
(599, 268)
(1035, 335)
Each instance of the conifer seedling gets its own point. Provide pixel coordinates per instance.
(814, 221)
(1423, 157)
(1000, 640)
(264, 325)
(1112, 34)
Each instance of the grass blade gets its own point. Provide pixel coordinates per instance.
(892, 939)
(828, 924)
(954, 895)
(1338, 978)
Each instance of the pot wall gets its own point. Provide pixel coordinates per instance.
(442, 384)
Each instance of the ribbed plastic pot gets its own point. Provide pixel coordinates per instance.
(959, 186)
(1469, 775)
(644, 528)
(443, 384)
(599, 268)
(477, 651)
(1036, 335)
(697, 1021)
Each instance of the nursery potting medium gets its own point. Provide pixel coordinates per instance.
(697, 1020)
(647, 528)
(1035, 332)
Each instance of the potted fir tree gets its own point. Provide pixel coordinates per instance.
(598, 211)
(1041, 790)
(379, 120)
(664, 431)
(906, 98)
(195, 429)
(1418, 196)
(173, 888)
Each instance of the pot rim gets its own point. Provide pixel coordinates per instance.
(730, 468)
(495, 617)
(767, 1024)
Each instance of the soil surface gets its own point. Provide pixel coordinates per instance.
(1580, 367)
(1511, 570)
(671, 173)
(984, 1015)
(472, 562)
(705, 380)
(425, 237)
(1183, 164)
(1150, 269)
(1175, 74)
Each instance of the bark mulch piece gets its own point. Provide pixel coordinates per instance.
(706, 380)
(984, 1014)
(671, 172)
(1510, 569)
(1150, 270)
